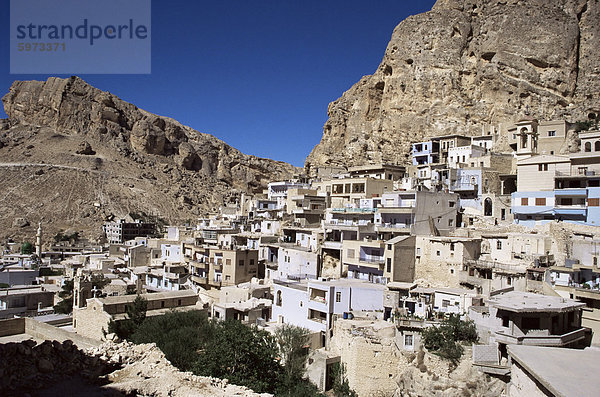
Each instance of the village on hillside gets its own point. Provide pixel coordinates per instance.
(498, 229)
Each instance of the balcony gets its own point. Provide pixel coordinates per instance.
(541, 340)
(373, 260)
(582, 192)
(571, 210)
(465, 278)
(199, 280)
(218, 267)
(334, 245)
(483, 264)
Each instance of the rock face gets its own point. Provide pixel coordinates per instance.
(52, 368)
(461, 65)
(140, 162)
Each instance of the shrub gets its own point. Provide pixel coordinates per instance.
(442, 340)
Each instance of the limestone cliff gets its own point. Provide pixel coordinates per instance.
(461, 65)
(71, 155)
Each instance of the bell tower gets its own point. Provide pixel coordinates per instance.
(527, 138)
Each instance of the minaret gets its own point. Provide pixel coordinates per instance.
(38, 241)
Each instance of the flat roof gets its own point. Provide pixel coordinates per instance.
(114, 300)
(527, 302)
(544, 158)
(564, 372)
(400, 285)
(374, 167)
(345, 282)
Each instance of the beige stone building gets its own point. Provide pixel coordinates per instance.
(349, 191)
(92, 320)
(439, 259)
(212, 267)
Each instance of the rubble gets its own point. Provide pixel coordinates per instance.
(113, 368)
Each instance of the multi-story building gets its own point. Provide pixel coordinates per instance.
(120, 231)
(212, 267)
(562, 188)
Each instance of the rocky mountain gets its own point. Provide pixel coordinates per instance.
(461, 65)
(72, 156)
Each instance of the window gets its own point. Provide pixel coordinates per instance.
(452, 246)
(241, 262)
(542, 167)
(228, 261)
(445, 303)
(551, 133)
(499, 244)
(408, 340)
(524, 201)
(593, 202)
(588, 146)
(509, 281)
(451, 204)
(540, 201)
(227, 278)
(418, 251)
(350, 253)
(389, 265)
(505, 321)
(597, 146)
(503, 214)
(278, 301)
(338, 297)
(389, 246)
(438, 253)
(251, 262)
(450, 222)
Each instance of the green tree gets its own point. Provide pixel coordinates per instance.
(292, 344)
(443, 340)
(65, 306)
(136, 314)
(244, 355)
(178, 334)
(341, 387)
(26, 248)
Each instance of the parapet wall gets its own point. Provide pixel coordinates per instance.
(13, 326)
(38, 330)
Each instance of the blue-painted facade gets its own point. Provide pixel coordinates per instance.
(566, 205)
(425, 152)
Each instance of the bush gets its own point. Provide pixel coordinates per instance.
(136, 314)
(244, 355)
(26, 248)
(341, 387)
(443, 340)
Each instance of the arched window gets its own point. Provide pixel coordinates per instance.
(588, 147)
(487, 207)
(597, 146)
(523, 137)
(278, 302)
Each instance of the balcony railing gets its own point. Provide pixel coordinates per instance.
(199, 280)
(542, 340)
(483, 264)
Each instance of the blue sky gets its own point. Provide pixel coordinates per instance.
(257, 74)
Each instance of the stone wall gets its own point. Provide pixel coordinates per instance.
(368, 351)
(13, 326)
(522, 385)
(40, 330)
